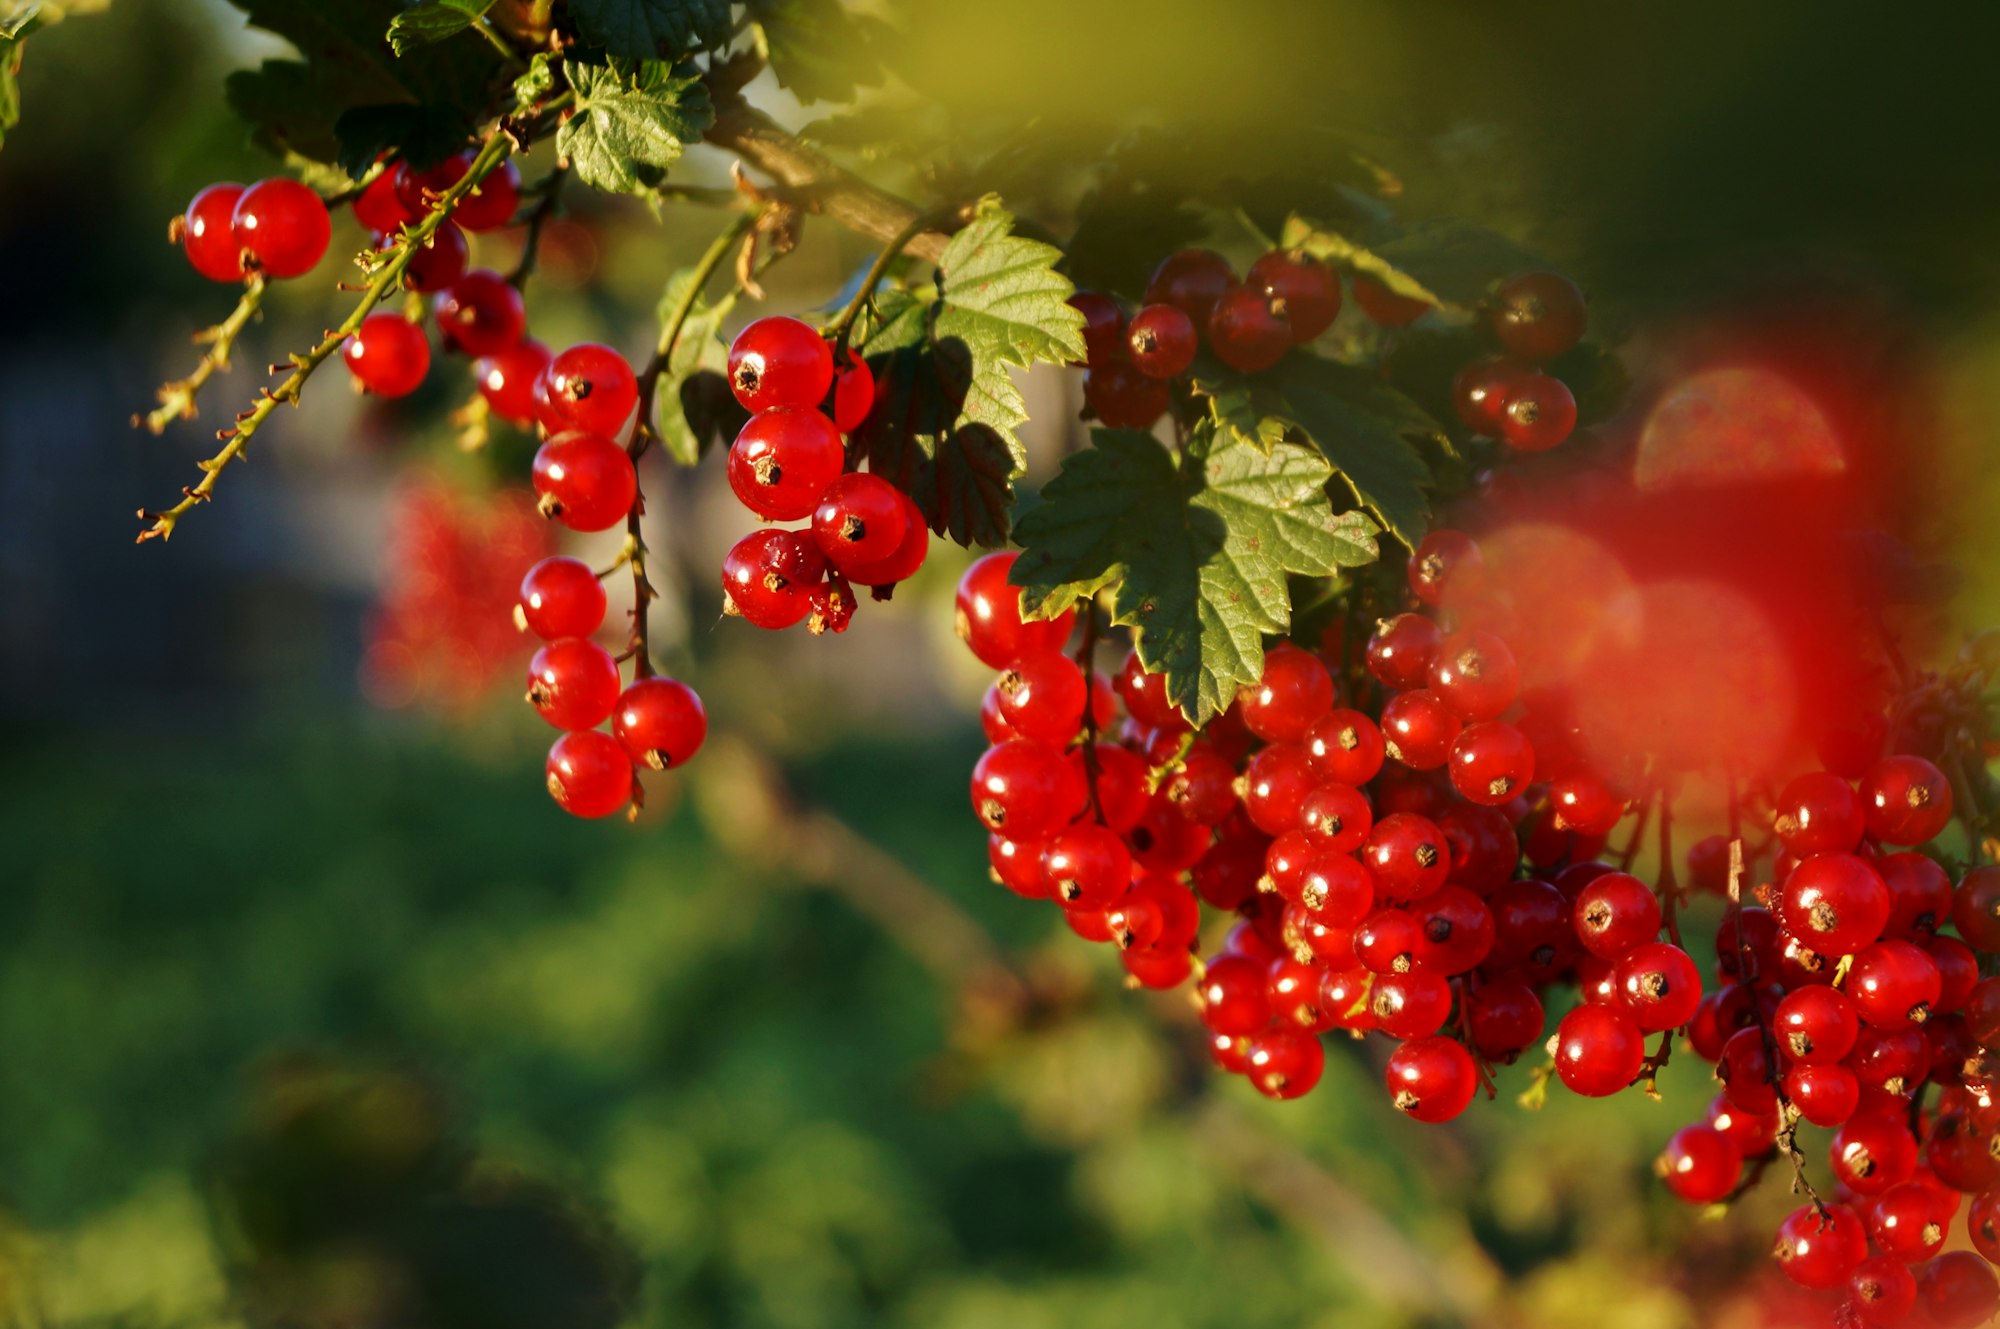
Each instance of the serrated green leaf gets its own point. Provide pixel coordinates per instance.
(818, 50)
(1196, 556)
(433, 21)
(423, 135)
(946, 405)
(632, 121)
(652, 29)
(1441, 261)
(699, 349)
(1363, 427)
(1235, 404)
(535, 84)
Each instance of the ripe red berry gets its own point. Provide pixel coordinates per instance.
(1815, 1025)
(1122, 794)
(1700, 1164)
(1407, 855)
(852, 396)
(1615, 913)
(1894, 983)
(1017, 865)
(1411, 1005)
(507, 379)
(589, 387)
(388, 355)
(1834, 903)
(780, 361)
(1821, 1249)
(1431, 1079)
(585, 481)
(1445, 561)
(1418, 729)
(562, 597)
(1247, 330)
(1384, 306)
(1294, 691)
(1506, 1018)
(1292, 988)
(1122, 397)
(1192, 281)
(783, 460)
(909, 556)
(488, 206)
(1161, 341)
(1286, 1063)
(1343, 997)
(1819, 813)
(1275, 783)
(1304, 289)
(1336, 817)
(209, 237)
(1388, 941)
(987, 615)
(436, 263)
(1144, 694)
(1491, 762)
(1531, 928)
(589, 775)
(1474, 673)
(859, 520)
(1233, 995)
(377, 207)
(1982, 1224)
(573, 683)
(1872, 1153)
(1335, 890)
(1087, 867)
(1484, 851)
(482, 313)
(282, 226)
(1919, 895)
(1958, 974)
(1026, 791)
(1539, 413)
(1659, 984)
(1538, 315)
(1959, 1291)
(1481, 390)
(1908, 1221)
(1598, 1050)
(1824, 1095)
(1103, 326)
(1975, 909)
(1042, 697)
(768, 576)
(1584, 803)
(1906, 800)
(661, 722)
(1134, 922)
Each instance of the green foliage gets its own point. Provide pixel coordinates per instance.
(651, 29)
(1363, 427)
(1195, 555)
(699, 350)
(946, 405)
(434, 20)
(13, 45)
(818, 49)
(633, 120)
(1442, 261)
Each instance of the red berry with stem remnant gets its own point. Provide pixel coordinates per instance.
(1598, 1050)
(1659, 985)
(1481, 390)
(909, 556)
(1537, 315)
(780, 362)
(1294, 691)
(207, 235)
(987, 615)
(1431, 1079)
(1275, 784)
(1818, 813)
(1909, 1222)
(1411, 1005)
(1134, 922)
(1336, 817)
(852, 395)
(1816, 1025)
(1286, 1063)
(586, 481)
(1335, 890)
(1919, 895)
(482, 313)
(1820, 1246)
(573, 683)
(1893, 984)
(1906, 800)
(1292, 988)
(562, 597)
(1539, 413)
(1144, 695)
(1958, 1290)
(661, 722)
(282, 226)
(783, 461)
(1403, 649)
(388, 355)
(1087, 866)
(1834, 903)
(589, 774)
(1615, 913)
(1103, 326)
(435, 263)
(1882, 1290)
(1191, 280)
(1233, 995)
(1870, 1154)
(1584, 803)
(859, 520)
(1388, 941)
(1407, 855)
(1474, 673)
(590, 387)
(1975, 909)
(1456, 930)
(1042, 697)
(1700, 1164)
(1418, 729)
(1026, 791)
(1824, 1095)
(1345, 747)
(1445, 561)
(1161, 341)
(1017, 865)
(1304, 289)
(761, 579)
(507, 379)
(1491, 762)
(1247, 330)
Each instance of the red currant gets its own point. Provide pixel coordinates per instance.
(436, 263)
(589, 775)
(562, 597)
(585, 481)
(1122, 397)
(1144, 694)
(1754, 1134)
(1906, 800)
(1407, 855)
(783, 461)
(1345, 747)
(1418, 729)
(1871, 1154)
(1087, 867)
(1431, 1079)
(1304, 289)
(1336, 816)
(1531, 928)
(1584, 803)
(1615, 913)
(1700, 1164)
(482, 313)
(1410, 1005)
(507, 379)
(1248, 331)
(1538, 315)
(1834, 903)
(909, 556)
(1819, 813)
(1484, 851)
(1286, 1063)
(1026, 791)
(1660, 986)
(852, 396)
(1894, 983)
(1820, 1248)
(767, 578)
(1539, 413)
(588, 387)
(1958, 974)
(1161, 341)
(1816, 1025)
(377, 207)
(388, 355)
(1491, 762)
(1908, 1222)
(1959, 1291)
(988, 617)
(1402, 650)
(282, 227)
(1121, 783)
(1384, 307)
(1445, 560)
(208, 236)
(1474, 673)
(1103, 326)
(1387, 941)
(1294, 692)
(1598, 1051)
(573, 683)
(1192, 281)
(1481, 390)
(661, 722)
(1920, 899)
(488, 205)
(1018, 864)
(1042, 697)
(1201, 789)
(1234, 996)
(1824, 1095)
(1505, 1018)
(780, 361)
(859, 520)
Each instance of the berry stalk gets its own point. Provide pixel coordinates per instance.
(177, 398)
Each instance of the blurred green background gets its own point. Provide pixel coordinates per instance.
(317, 1014)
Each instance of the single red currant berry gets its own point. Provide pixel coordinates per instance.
(909, 556)
(1193, 281)
(1539, 413)
(661, 722)
(1274, 785)
(1882, 1290)
(1824, 1095)
(1481, 390)
(1227, 874)
(589, 775)
(1484, 851)
(1285, 860)
(585, 481)
(507, 379)
(1345, 747)
(1384, 306)
(780, 361)
(1303, 289)
(1456, 931)
(991, 722)
(1144, 694)
(1584, 803)
(573, 683)
(1431, 1079)
(1336, 817)
(1491, 762)
(1894, 983)
(482, 313)
(1343, 996)
(1598, 1050)
(1708, 864)
(1959, 1290)
(1820, 1247)
(1292, 988)
(782, 461)
(1834, 903)
(1335, 890)
(1103, 327)
(1445, 560)
(1180, 914)
(1505, 1017)
(282, 226)
(1754, 1134)
(1388, 940)
(1418, 729)
(589, 387)
(1908, 1221)
(1017, 865)
(1531, 929)
(1248, 330)
(1890, 1059)
(987, 615)
(1026, 791)
(1660, 986)
(1121, 783)
(1234, 996)
(1295, 691)
(1871, 1154)
(1231, 1052)
(1537, 315)
(1982, 1224)
(436, 263)
(1919, 894)
(852, 395)
(1042, 697)
(1975, 909)
(1410, 1005)
(1286, 1063)
(1122, 397)
(1816, 1025)
(561, 597)
(388, 355)
(377, 207)
(1087, 867)
(1906, 800)
(1615, 913)
(1407, 855)
(1201, 789)
(1474, 673)
(1958, 975)
(859, 520)
(1161, 341)
(762, 581)
(490, 204)
(1700, 1164)
(1134, 923)
(1819, 813)
(208, 235)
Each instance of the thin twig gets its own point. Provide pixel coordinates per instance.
(864, 295)
(177, 397)
(531, 244)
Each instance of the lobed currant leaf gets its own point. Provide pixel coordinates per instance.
(433, 21)
(652, 29)
(817, 49)
(699, 349)
(1363, 427)
(1195, 556)
(632, 121)
(1440, 261)
(423, 135)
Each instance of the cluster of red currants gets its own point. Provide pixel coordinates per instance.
(1535, 317)
(277, 227)
(788, 463)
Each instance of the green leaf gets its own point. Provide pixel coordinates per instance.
(632, 121)
(946, 405)
(424, 135)
(1363, 427)
(13, 45)
(652, 29)
(433, 21)
(1195, 556)
(699, 350)
(1441, 261)
(818, 50)
(537, 83)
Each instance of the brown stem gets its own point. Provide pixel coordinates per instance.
(1086, 660)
